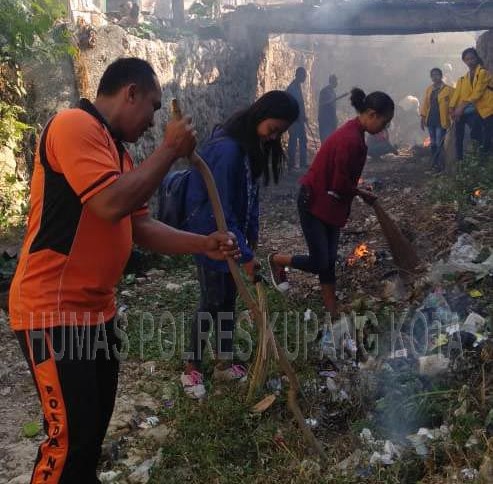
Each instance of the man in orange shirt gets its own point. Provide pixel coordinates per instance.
(88, 205)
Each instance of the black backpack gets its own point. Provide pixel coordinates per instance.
(172, 193)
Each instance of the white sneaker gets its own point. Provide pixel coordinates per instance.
(278, 275)
(233, 373)
(193, 385)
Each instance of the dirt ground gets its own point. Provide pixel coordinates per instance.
(399, 182)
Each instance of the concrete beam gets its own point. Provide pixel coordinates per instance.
(365, 18)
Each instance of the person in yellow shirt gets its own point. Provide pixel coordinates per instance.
(472, 103)
(435, 114)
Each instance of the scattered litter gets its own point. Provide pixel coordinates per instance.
(387, 456)
(129, 279)
(141, 474)
(436, 307)
(109, 476)
(475, 293)
(474, 323)
(367, 437)
(343, 395)
(328, 373)
(331, 385)
(452, 328)
(312, 422)
(469, 474)
(155, 273)
(420, 439)
(402, 353)
(419, 444)
(122, 309)
(307, 315)
(274, 385)
(384, 452)
(149, 422)
(171, 286)
(462, 258)
(352, 461)
(464, 250)
(472, 441)
(433, 365)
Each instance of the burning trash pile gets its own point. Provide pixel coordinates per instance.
(425, 390)
(362, 255)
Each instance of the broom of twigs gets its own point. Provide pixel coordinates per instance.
(262, 355)
(257, 309)
(403, 252)
(448, 147)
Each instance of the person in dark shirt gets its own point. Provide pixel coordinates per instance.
(435, 113)
(379, 145)
(327, 116)
(327, 191)
(241, 151)
(297, 132)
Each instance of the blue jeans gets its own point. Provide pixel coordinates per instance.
(322, 240)
(217, 305)
(437, 135)
(297, 134)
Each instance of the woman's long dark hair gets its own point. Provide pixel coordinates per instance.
(242, 126)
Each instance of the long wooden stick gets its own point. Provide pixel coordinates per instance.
(252, 305)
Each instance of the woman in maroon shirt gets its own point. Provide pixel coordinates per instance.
(327, 191)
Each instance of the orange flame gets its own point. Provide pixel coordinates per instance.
(477, 192)
(359, 252)
(427, 142)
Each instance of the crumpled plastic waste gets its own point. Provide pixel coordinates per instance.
(436, 307)
(149, 422)
(384, 452)
(469, 474)
(387, 456)
(424, 435)
(462, 256)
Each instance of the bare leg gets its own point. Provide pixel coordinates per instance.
(329, 299)
(282, 260)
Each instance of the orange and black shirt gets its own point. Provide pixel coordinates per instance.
(71, 259)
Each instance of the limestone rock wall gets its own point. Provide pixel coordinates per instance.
(211, 79)
(485, 49)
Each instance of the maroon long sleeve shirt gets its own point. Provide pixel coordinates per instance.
(334, 174)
